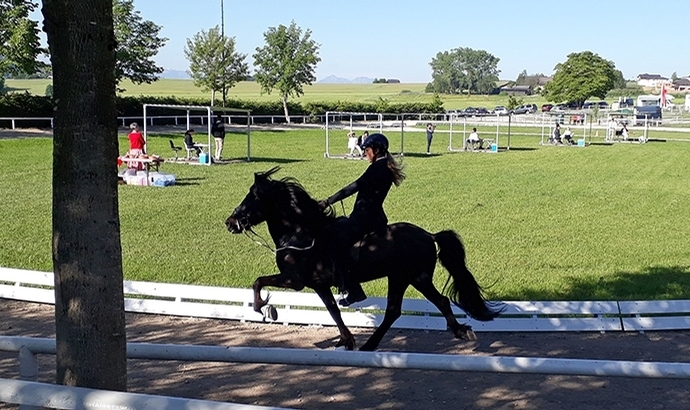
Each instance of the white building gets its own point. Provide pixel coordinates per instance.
(652, 80)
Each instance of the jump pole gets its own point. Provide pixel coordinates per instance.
(409, 361)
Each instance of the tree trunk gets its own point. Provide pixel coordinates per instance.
(285, 110)
(87, 255)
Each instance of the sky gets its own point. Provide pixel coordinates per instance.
(399, 38)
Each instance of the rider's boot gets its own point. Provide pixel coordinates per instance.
(355, 293)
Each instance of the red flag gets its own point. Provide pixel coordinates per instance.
(663, 96)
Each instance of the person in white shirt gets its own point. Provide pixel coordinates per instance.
(474, 141)
(352, 144)
(568, 136)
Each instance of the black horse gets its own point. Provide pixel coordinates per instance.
(405, 254)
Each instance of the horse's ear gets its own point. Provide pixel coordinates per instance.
(263, 176)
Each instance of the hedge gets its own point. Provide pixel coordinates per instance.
(27, 105)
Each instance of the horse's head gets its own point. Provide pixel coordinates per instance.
(252, 209)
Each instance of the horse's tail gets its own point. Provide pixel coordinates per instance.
(463, 291)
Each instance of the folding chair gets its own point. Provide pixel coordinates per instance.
(175, 149)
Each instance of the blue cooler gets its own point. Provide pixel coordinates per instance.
(494, 147)
(581, 142)
(203, 158)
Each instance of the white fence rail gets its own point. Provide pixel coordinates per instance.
(383, 360)
(44, 395)
(307, 308)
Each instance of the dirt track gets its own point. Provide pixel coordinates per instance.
(351, 388)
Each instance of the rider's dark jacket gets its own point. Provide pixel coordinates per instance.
(371, 188)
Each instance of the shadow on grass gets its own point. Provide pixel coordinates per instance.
(276, 160)
(518, 149)
(654, 282)
(189, 181)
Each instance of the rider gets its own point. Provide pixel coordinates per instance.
(367, 214)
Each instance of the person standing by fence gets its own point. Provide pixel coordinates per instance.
(218, 132)
(429, 136)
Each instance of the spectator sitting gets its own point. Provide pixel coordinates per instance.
(189, 141)
(624, 132)
(474, 139)
(568, 136)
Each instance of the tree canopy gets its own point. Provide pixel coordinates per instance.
(20, 45)
(137, 43)
(287, 62)
(581, 76)
(213, 62)
(463, 70)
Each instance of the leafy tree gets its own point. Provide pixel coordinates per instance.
(581, 76)
(674, 77)
(514, 102)
(527, 79)
(87, 253)
(464, 69)
(19, 41)
(213, 62)
(287, 62)
(137, 43)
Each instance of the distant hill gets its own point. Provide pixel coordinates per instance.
(175, 74)
(331, 79)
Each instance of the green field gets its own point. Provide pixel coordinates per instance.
(605, 222)
(393, 93)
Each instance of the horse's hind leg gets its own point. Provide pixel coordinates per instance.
(396, 291)
(425, 285)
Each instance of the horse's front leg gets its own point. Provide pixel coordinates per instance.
(346, 337)
(279, 280)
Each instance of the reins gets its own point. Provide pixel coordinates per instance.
(265, 244)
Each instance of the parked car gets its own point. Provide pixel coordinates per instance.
(526, 109)
(546, 107)
(602, 105)
(500, 110)
(469, 112)
(482, 111)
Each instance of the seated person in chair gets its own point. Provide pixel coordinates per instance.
(474, 139)
(568, 136)
(189, 142)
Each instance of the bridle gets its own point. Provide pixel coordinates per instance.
(243, 223)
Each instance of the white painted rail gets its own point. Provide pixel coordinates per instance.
(306, 308)
(56, 396)
(387, 360)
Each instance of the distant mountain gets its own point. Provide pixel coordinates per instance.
(363, 80)
(331, 79)
(175, 74)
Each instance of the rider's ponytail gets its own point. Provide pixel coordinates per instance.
(396, 167)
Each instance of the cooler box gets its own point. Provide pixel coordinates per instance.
(581, 142)
(203, 158)
(494, 147)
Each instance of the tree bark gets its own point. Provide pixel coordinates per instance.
(285, 109)
(87, 254)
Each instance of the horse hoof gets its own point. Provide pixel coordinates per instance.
(469, 335)
(270, 312)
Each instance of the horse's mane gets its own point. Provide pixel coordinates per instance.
(295, 204)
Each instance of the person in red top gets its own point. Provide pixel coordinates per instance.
(136, 145)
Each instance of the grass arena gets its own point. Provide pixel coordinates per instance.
(600, 223)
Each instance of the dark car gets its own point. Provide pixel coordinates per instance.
(469, 111)
(546, 107)
(482, 111)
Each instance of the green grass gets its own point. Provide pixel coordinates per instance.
(393, 93)
(539, 223)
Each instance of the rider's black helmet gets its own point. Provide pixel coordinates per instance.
(376, 141)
